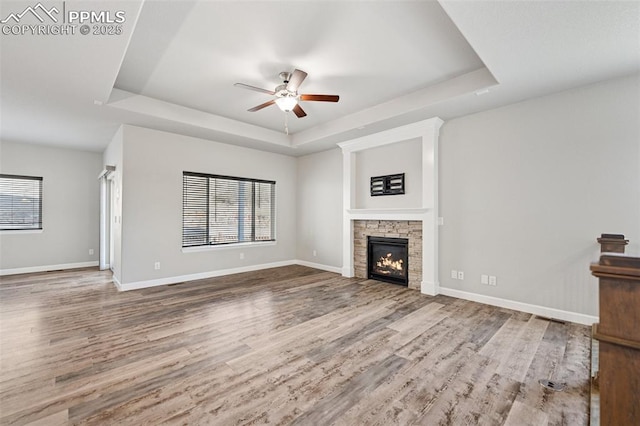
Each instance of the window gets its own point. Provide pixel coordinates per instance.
(220, 210)
(20, 202)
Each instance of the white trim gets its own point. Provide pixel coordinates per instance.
(104, 222)
(336, 269)
(429, 288)
(428, 131)
(386, 214)
(20, 231)
(199, 276)
(211, 274)
(397, 134)
(46, 268)
(521, 306)
(196, 249)
(106, 172)
(116, 282)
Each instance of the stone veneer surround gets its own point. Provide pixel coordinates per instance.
(410, 229)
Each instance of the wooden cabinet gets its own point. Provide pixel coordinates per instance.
(618, 333)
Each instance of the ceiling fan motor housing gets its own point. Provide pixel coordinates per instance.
(283, 92)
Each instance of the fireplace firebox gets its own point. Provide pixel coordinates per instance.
(388, 260)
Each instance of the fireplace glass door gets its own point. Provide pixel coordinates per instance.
(388, 260)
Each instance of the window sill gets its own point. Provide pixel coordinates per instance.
(227, 246)
(20, 231)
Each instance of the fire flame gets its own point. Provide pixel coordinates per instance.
(388, 263)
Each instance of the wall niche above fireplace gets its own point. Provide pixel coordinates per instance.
(388, 260)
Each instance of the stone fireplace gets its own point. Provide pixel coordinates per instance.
(409, 231)
(412, 216)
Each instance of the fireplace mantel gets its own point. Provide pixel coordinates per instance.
(428, 132)
(387, 214)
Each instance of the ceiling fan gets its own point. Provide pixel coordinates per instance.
(287, 97)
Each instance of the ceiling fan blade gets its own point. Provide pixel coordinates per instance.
(296, 80)
(298, 111)
(257, 89)
(264, 105)
(320, 98)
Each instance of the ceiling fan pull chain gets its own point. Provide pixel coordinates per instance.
(286, 123)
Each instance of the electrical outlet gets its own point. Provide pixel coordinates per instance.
(460, 275)
(454, 274)
(241, 255)
(315, 253)
(484, 279)
(156, 266)
(493, 280)
(90, 252)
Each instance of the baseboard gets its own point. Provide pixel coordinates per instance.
(116, 281)
(222, 272)
(428, 288)
(137, 285)
(46, 268)
(336, 269)
(474, 297)
(520, 306)
(348, 272)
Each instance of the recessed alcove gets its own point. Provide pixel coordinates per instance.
(400, 157)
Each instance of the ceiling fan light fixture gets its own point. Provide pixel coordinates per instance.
(287, 103)
(286, 95)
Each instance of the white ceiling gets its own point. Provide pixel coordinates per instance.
(367, 53)
(392, 63)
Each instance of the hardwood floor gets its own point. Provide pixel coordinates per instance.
(289, 345)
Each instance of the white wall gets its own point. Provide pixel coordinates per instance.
(402, 157)
(319, 209)
(152, 204)
(70, 208)
(524, 192)
(526, 189)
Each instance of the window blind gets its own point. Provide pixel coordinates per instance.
(226, 210)
(20, 202)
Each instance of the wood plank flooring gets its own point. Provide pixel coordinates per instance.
(289, 345)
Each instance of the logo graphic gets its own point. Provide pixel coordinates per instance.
(33, 10)
(50, 22)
